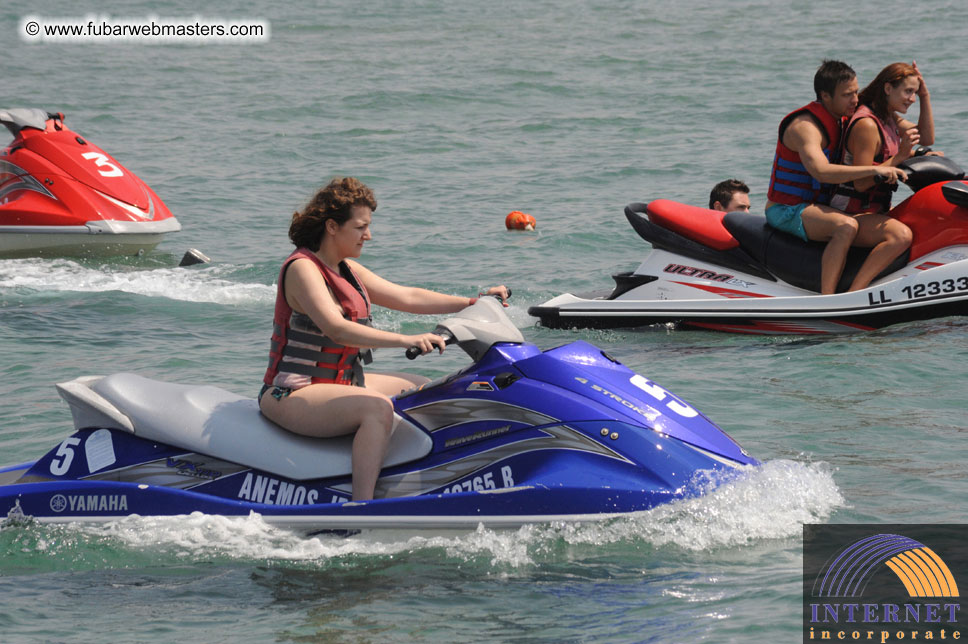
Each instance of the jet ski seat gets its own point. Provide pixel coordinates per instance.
(21, 117)
(212, 421)
(699, 224)
(790, 258)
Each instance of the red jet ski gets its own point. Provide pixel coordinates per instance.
(61, 195)
(733, 272)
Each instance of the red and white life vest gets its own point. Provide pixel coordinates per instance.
(300, 354)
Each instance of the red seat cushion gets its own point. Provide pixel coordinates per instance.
(698, 224)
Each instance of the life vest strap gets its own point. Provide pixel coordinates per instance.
(313, 371)
(303, 353)
(314, 339)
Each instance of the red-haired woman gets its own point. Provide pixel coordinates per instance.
(877, 134)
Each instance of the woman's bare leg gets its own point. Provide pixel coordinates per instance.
(887, 237)
(823, 223)
(326, 410)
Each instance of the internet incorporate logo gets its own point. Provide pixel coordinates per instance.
(885, 585)
(922, 572)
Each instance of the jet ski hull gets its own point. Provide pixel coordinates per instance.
(90, 240)
(521, 436)
(937, 292)
(555, 473)
(100, 502)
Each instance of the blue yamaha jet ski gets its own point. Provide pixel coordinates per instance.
(519, 436)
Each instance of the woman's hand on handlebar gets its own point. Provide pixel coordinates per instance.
(426, 342)
(501, 291)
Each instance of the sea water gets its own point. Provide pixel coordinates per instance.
(456, 113)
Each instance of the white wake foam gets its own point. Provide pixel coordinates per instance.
(772, 501)
(206, 284)
(769, 502)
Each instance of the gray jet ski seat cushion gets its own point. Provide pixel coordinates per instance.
(21, 117)
(212, 421)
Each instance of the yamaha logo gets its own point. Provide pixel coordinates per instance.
(58, 503)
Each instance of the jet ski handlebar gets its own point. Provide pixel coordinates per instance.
(476, 328)
(415, 351)
(925, 170)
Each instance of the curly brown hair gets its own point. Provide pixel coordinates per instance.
(331, 202)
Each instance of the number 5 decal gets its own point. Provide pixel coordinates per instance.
(66, 453)
(105, 167)
(660, 394)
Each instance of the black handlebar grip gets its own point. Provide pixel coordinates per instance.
(415, 351)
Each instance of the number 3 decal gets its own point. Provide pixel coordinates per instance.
(105, 167)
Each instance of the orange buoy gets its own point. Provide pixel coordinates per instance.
(517, 220)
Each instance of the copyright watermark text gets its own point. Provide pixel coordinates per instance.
(104, 29)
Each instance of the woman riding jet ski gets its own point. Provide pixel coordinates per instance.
(61, 195)
(733, 272)
(517, 437)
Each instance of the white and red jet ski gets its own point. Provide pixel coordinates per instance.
(733, 272)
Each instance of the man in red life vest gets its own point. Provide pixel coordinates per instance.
(803, 177)
(731, 195)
